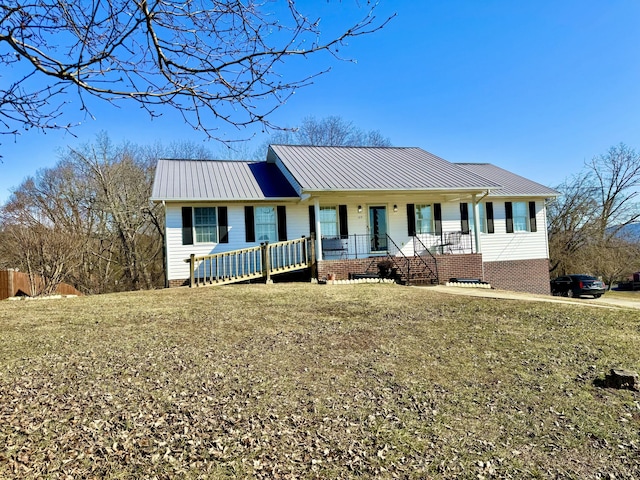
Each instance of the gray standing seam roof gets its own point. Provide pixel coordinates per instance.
(375, 168)
(333, 169)
(219, 180)
(512, 185)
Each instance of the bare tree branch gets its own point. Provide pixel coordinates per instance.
(211, 60)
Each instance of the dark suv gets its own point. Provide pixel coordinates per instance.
(577, 285)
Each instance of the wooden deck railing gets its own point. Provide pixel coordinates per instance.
(249, 263)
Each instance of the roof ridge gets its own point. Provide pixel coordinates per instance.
(340, 146)
(219, 160)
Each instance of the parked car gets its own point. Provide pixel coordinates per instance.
(577, 285)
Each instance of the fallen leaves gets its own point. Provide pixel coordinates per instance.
(255, 382)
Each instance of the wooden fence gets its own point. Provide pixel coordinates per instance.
(14, 283)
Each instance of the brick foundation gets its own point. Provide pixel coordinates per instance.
(342, 268)
(459, 266)
(465, 266)
(531, 276)
(178, 283)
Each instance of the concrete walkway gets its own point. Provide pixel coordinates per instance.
(602, 302)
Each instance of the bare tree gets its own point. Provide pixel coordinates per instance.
(88, 220)
(331, 131)
(570, 222)
(334, 131)
(211, 60)
(41, 231)
(586, 224)
(616, 177)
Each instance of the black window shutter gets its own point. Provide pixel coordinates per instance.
(411, 219)
(342, 221)
(282, 223)
(489, 209)
(508, 210)
(223, 225)
(464, 218)
(249, 226)
(312, 219)
(532, 217)
(187, 226)
(437, 217)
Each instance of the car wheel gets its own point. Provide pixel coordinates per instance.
(597, 296)
(570, 294)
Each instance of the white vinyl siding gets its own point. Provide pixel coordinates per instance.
(178, 269)
(503, 246)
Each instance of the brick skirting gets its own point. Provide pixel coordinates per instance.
(531, 276)
(449, 266)
(178, 283)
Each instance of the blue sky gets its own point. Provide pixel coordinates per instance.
(536, 87)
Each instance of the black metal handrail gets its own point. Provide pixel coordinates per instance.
(360, 245)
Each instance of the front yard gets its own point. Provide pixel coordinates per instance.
(306, 381)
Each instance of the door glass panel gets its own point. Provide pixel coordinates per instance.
(378, 228)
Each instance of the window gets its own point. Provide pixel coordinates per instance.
(329, 221)
(205, 224)
(266, 224)
(424, 219)
(485, 216)
(482, 218)
(488, 208)
(464, 218)
(520, 217)
(485, 211)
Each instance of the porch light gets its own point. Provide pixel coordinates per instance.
(359, 208)
(395, 208)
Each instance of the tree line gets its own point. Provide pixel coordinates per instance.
(88, 221)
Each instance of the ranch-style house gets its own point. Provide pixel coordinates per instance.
(345, 210)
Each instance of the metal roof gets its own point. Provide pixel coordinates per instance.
(333, 169)
(512, 185)
(374, 168)
(219, 180)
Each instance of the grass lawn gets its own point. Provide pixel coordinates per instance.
(310, 381)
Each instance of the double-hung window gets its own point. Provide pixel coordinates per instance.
(329, 221)
(424, 219)
(482, 218)
(520, 217)
(205, 224)
(266, 224)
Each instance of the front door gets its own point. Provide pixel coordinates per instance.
(378, 228)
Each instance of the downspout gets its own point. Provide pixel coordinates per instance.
(165, 256)
(316, 208)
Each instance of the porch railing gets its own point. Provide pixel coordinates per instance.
(249, 263)
(364, 245)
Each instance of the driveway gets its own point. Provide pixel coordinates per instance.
(602, 302)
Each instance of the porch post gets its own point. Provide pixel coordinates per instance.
(476, 223)
(316, 207)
